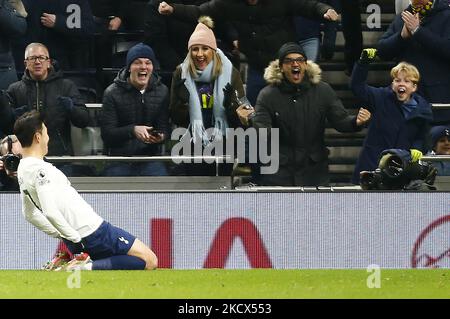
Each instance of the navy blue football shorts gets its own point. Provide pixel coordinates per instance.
(107, 241)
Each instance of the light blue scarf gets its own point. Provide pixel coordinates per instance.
(195, 109)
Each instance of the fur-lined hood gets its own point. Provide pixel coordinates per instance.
(273, 75)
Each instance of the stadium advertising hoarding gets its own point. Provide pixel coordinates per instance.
(265, 230)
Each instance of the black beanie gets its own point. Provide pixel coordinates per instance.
(140, 50)
(289, 47)
(437, 132)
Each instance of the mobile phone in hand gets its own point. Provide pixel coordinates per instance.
(155, 132)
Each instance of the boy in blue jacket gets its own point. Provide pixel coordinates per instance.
(400, 116)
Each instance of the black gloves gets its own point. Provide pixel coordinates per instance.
(65, 102)
(229, 96)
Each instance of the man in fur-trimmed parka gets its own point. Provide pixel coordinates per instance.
(298, 103)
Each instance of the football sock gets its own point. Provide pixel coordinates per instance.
(120, 262)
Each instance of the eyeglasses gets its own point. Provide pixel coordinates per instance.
(291, 61)
(40, 58)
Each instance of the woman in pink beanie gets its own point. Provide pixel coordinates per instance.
(198, 101)
(204, 88)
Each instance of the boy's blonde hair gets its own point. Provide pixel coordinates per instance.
(410, 70)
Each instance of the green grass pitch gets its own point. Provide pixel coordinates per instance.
(225, 284)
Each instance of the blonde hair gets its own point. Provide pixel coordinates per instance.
(217, 69)
(410, 71)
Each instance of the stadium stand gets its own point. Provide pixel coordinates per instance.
(344, 148)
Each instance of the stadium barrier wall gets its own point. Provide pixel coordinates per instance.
(262, 230)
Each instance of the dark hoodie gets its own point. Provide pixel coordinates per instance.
(124, 107)
(28, 94)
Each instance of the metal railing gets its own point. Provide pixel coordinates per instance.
(94, 106)
(435, 158)
(437, 106)
(102, 158)
(440, 106)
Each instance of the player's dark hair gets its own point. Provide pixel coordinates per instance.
(26, 126)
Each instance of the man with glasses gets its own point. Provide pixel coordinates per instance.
(43, 88)
(298, 104)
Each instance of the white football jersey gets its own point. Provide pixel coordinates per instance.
(51, 204)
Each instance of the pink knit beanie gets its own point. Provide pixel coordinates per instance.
(203, 35)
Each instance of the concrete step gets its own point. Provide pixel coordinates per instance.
(385, 18)
(345, 171)
(375, 78)
(333, 133)
(387, 6)
(344, 154)
(370, 38)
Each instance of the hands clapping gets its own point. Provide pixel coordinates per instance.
(411, 23)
